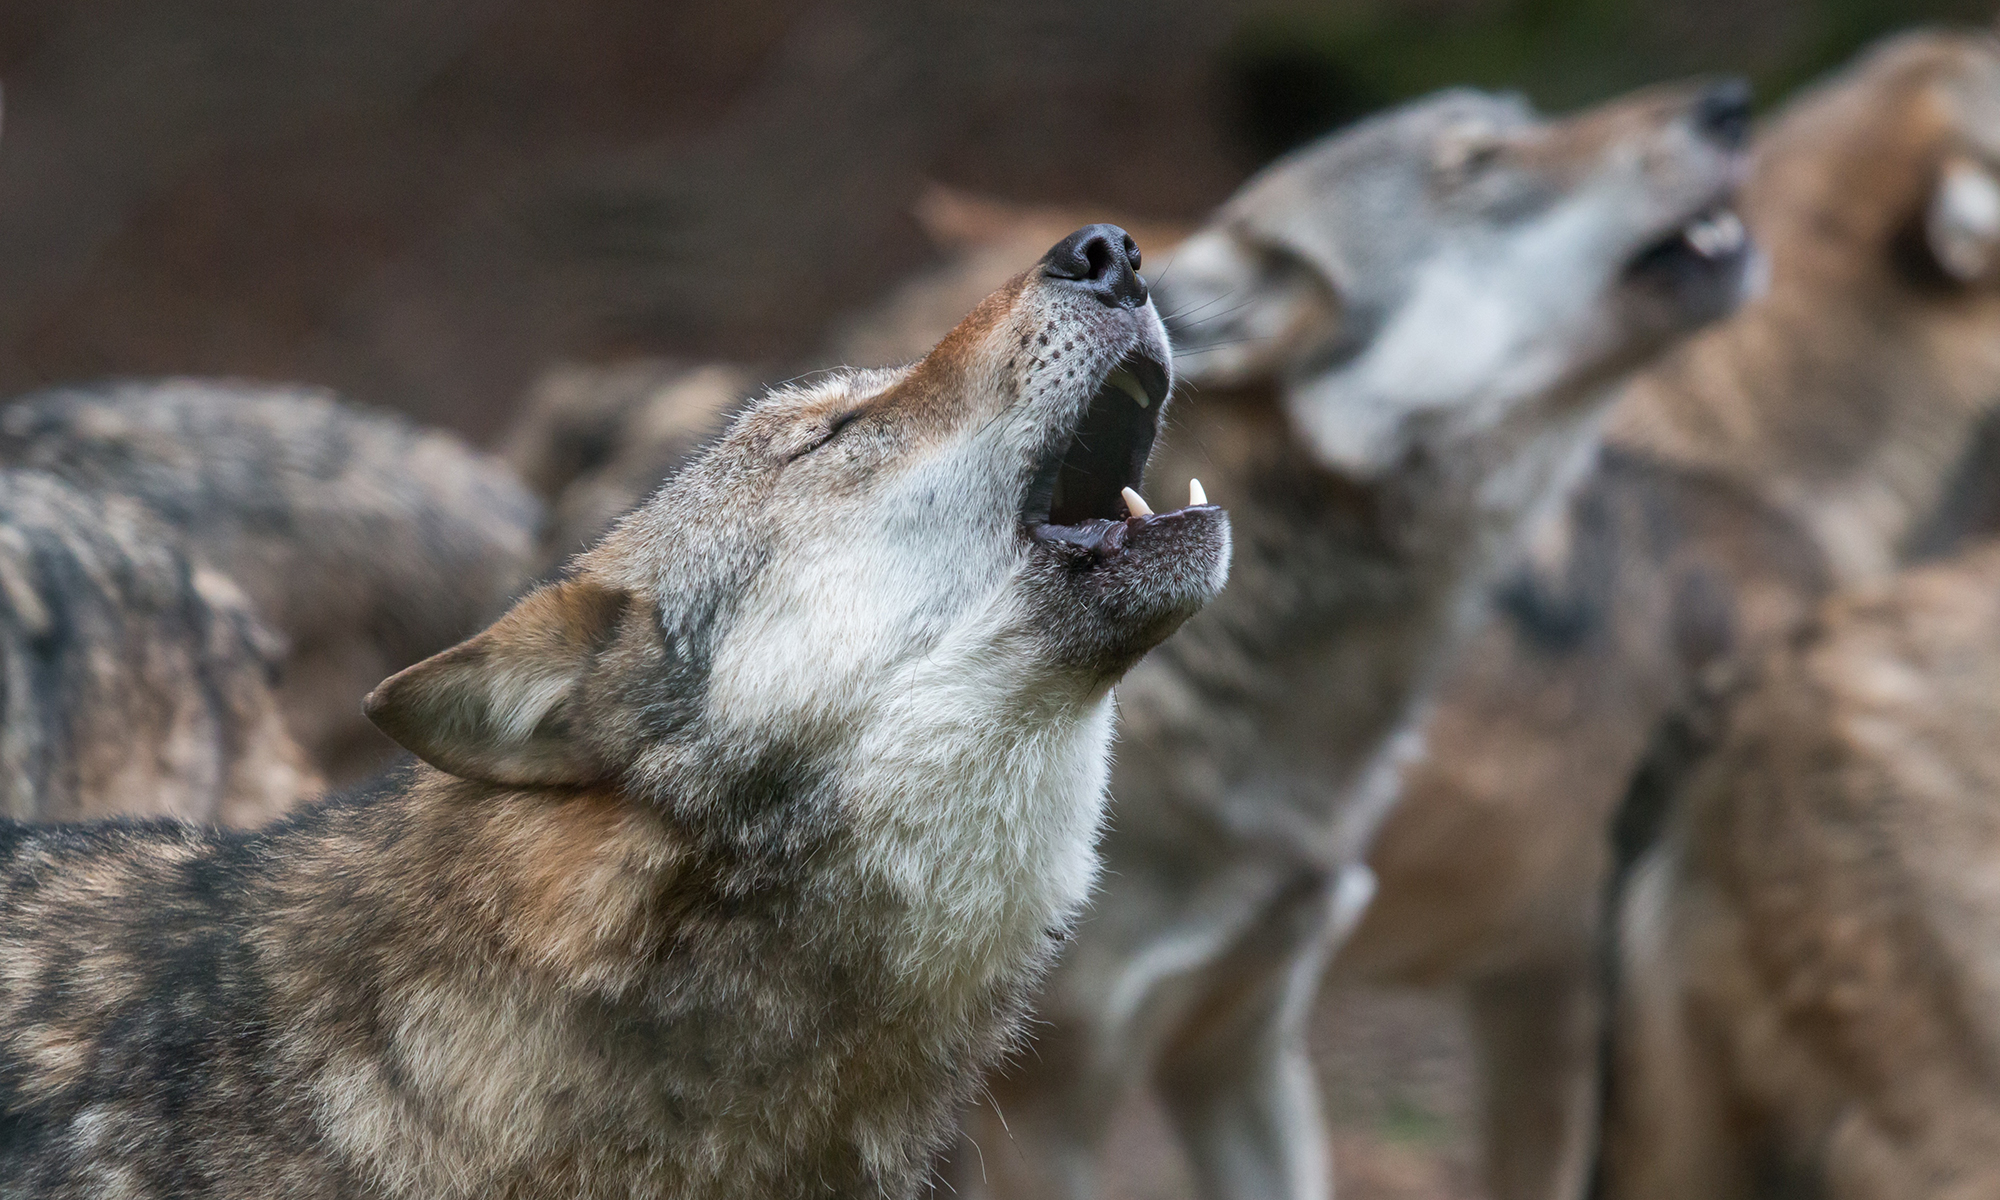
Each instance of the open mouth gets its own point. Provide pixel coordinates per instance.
(1085, 491)
(1713, 241)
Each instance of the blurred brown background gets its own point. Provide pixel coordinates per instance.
(423, 204)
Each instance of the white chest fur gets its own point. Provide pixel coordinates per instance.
(984, 826)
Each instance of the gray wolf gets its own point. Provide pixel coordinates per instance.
(132, 677)
(1401, 340)
(1836, 427)
(1810, 986)
(733, 856)
(362, 541)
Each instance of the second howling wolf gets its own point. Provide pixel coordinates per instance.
(734, 856)
(1402, 339)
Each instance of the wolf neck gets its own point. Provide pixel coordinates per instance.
(1335, 580)
(976, 824)
(868, 958)
(1850, 421)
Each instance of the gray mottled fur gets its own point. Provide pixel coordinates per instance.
(734, 857)
(363, 542)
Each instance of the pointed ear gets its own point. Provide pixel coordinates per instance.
(1238, 312)
(501, 707)
(1962, 222)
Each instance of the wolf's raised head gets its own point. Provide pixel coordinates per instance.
(1435, 268)
(1889, 172)
(947, 543)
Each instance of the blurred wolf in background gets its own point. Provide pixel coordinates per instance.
(735, 856)
(1401, 341)
(1806, 956)
(133, 679)
(362, 542)
(1813, 978)
(1835, 427)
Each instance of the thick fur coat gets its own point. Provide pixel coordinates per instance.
(733, 857)
(363, 542)
(1838, 425)
(133, 678)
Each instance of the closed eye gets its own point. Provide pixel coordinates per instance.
(833, 429)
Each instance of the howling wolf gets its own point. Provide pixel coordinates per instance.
(732, 858)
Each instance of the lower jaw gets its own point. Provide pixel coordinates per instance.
(1102, 538)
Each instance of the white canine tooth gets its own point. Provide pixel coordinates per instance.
(1135, 503)
(1715, 235)
(1128, 383)
(1196, 496)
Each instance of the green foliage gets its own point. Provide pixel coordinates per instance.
(1299, 71)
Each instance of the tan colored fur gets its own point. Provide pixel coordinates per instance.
(1812, 440)
(1814, 972)
(133, 678)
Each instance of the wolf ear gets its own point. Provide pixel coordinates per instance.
(500, 707)
(1962, 222)
(1239, 312)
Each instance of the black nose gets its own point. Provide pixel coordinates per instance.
(1102, 260)
(1723, 112)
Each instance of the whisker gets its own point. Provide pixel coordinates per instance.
(1222, 345)
(1217, 316)
(1178, 313)
(1170, 266)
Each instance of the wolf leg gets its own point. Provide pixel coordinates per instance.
(1240, 1083)
(1670, 1129)
(1536, 1031)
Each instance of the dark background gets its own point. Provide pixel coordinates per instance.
(424, 202)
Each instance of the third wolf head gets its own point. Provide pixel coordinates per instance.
(1446, 262)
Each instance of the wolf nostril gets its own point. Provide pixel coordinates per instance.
(1722, 113)
(1101, 259)
(1097, 257)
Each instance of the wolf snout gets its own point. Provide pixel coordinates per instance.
(1102, 260)
(1722, 113)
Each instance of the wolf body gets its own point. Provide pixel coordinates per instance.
(733, 856)
(363, 542)
(1401, 340)
(1837, 426)
(132, 677)
(1809, 982)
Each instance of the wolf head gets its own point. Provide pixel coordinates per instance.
(1439, 267)
(949, 538)
(1886, 178)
